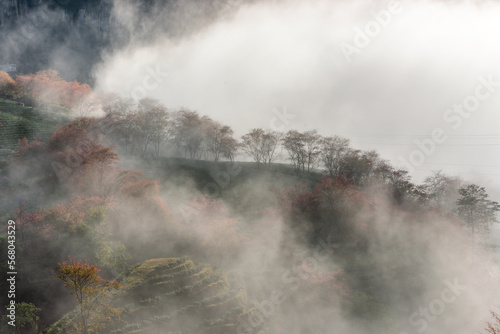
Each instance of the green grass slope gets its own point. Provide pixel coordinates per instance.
(18, 122)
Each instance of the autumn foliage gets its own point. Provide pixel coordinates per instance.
(330, 206)
(46, 87)
(7, 84)
(79, 156)
(91, 292)
(74, 216)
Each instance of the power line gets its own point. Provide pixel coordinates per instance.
(437, 145)
(452, 164)
(430, 170)
(423, 135)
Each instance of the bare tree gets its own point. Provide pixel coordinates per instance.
(251, 144)
(262, 145)
(294, 143)
(230, 148)
(113, 103)
(333, 150)
(188, 132)
(157, 124)
(87, 106)
(312, 149)
(148, 103)
(219, 139)
(442, 190)
(270, 143)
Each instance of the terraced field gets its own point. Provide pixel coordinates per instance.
(175, 295)
(18, 121)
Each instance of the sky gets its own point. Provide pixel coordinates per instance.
(383, 74)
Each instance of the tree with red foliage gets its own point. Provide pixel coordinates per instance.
(144, 194)
(76, 215)
(339, 195)
(329, 207)
(46, 87)
(79, 157)
(27, 149)
(72, 93)
(298, 200)
(91, 292)
(29, 225)
(7, 85)
(96, 171)
(75, 135)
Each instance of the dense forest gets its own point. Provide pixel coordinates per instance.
(130, 217)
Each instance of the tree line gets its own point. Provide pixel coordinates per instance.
(148, 128)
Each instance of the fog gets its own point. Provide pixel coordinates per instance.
(286, 55)
(386, 75)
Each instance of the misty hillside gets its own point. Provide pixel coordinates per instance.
(172, 295)
(334, 232)
(244, 166)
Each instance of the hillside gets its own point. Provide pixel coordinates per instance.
(18, 121)
(174, 296)
(203, 243)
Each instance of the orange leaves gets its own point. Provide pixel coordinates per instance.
(29, 149)
(140, 188)
(7, 84)
(79, 277)
(341, 189)
(75, 134)
(494, 328)
(298, 200)
(83, 278)
(71, 217)
(139, 192)
(90, 291)
(79, 156)
(96, 154)
(46, 87)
